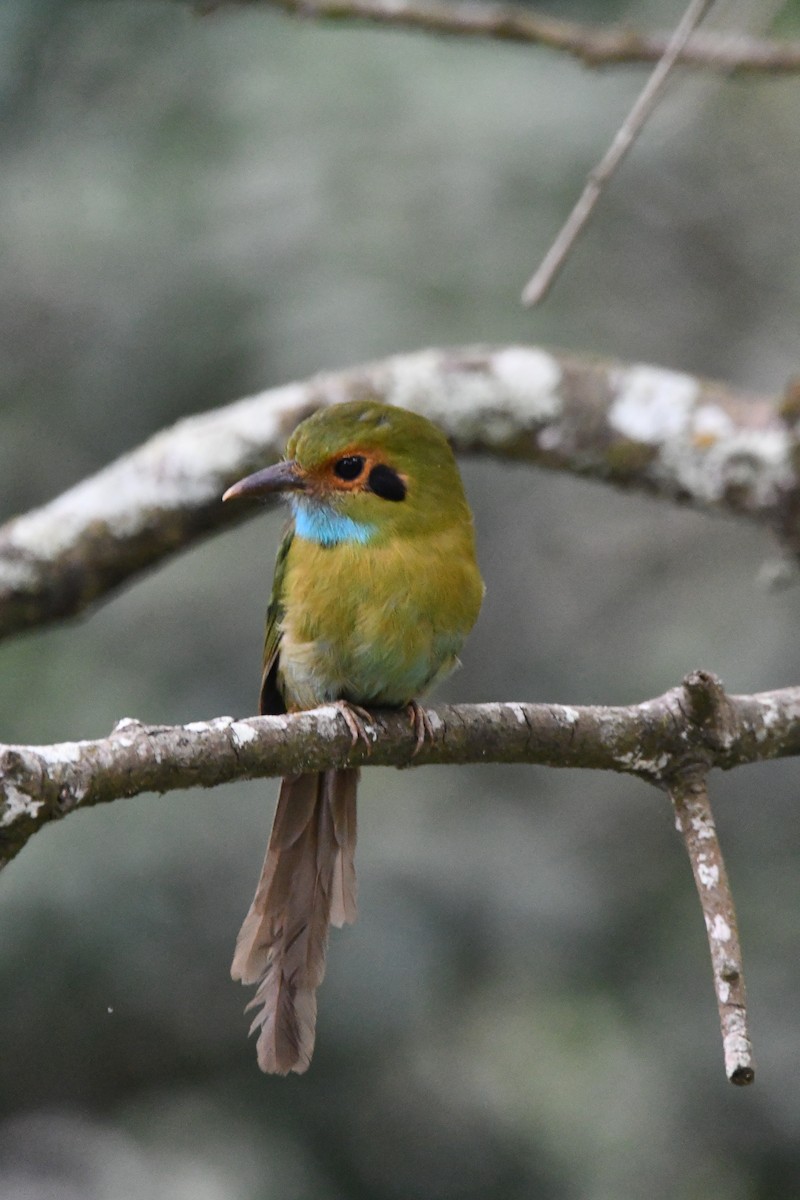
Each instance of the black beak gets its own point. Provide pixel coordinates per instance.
(281, 477)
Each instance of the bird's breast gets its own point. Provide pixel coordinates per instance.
(376, 624)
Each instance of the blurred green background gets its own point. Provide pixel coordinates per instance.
(193, 208)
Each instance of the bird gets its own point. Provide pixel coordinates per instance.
(376, 587)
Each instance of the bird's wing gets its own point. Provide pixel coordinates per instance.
(271, 700)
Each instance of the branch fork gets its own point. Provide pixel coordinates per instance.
(672, 741)
(712, 720)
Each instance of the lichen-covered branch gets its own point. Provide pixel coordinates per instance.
(710, 710)
(594, 46)
(695, 822)
(672, 741)
(653, 740)
(642, 427)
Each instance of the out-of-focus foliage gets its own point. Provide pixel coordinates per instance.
(192, 208)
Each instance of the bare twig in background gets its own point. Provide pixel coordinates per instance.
(543, 278)
(641, 427)
(594, 46)
(671, 741)
(709, 709)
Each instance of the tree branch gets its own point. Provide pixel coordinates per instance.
(695, 823)
(709, 709)
(672, 741)
(640, 427)
(594, 46)
(654, 741)
(538, 286)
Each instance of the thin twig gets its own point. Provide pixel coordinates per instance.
(594, 46)
(540, 283)
(713, 715)
(695, 823)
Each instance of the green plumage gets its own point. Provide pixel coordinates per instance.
(375, 623)
(376, 586)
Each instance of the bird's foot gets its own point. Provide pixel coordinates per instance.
(421, 724)
(357, 719)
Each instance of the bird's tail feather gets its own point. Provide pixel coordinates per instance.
(307, 883)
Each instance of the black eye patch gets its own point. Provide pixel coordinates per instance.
(386, 483)
(349, 467)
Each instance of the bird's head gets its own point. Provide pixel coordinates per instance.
(364, 471)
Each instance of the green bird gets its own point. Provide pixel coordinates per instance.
(376, 586)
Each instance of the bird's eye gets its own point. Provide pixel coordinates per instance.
(349, 467)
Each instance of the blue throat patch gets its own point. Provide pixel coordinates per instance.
(319, 524)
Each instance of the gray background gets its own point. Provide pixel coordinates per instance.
(195, 208)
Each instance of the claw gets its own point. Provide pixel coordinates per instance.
(357, 719)
(421, 724)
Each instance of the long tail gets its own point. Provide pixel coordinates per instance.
(308, 882)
